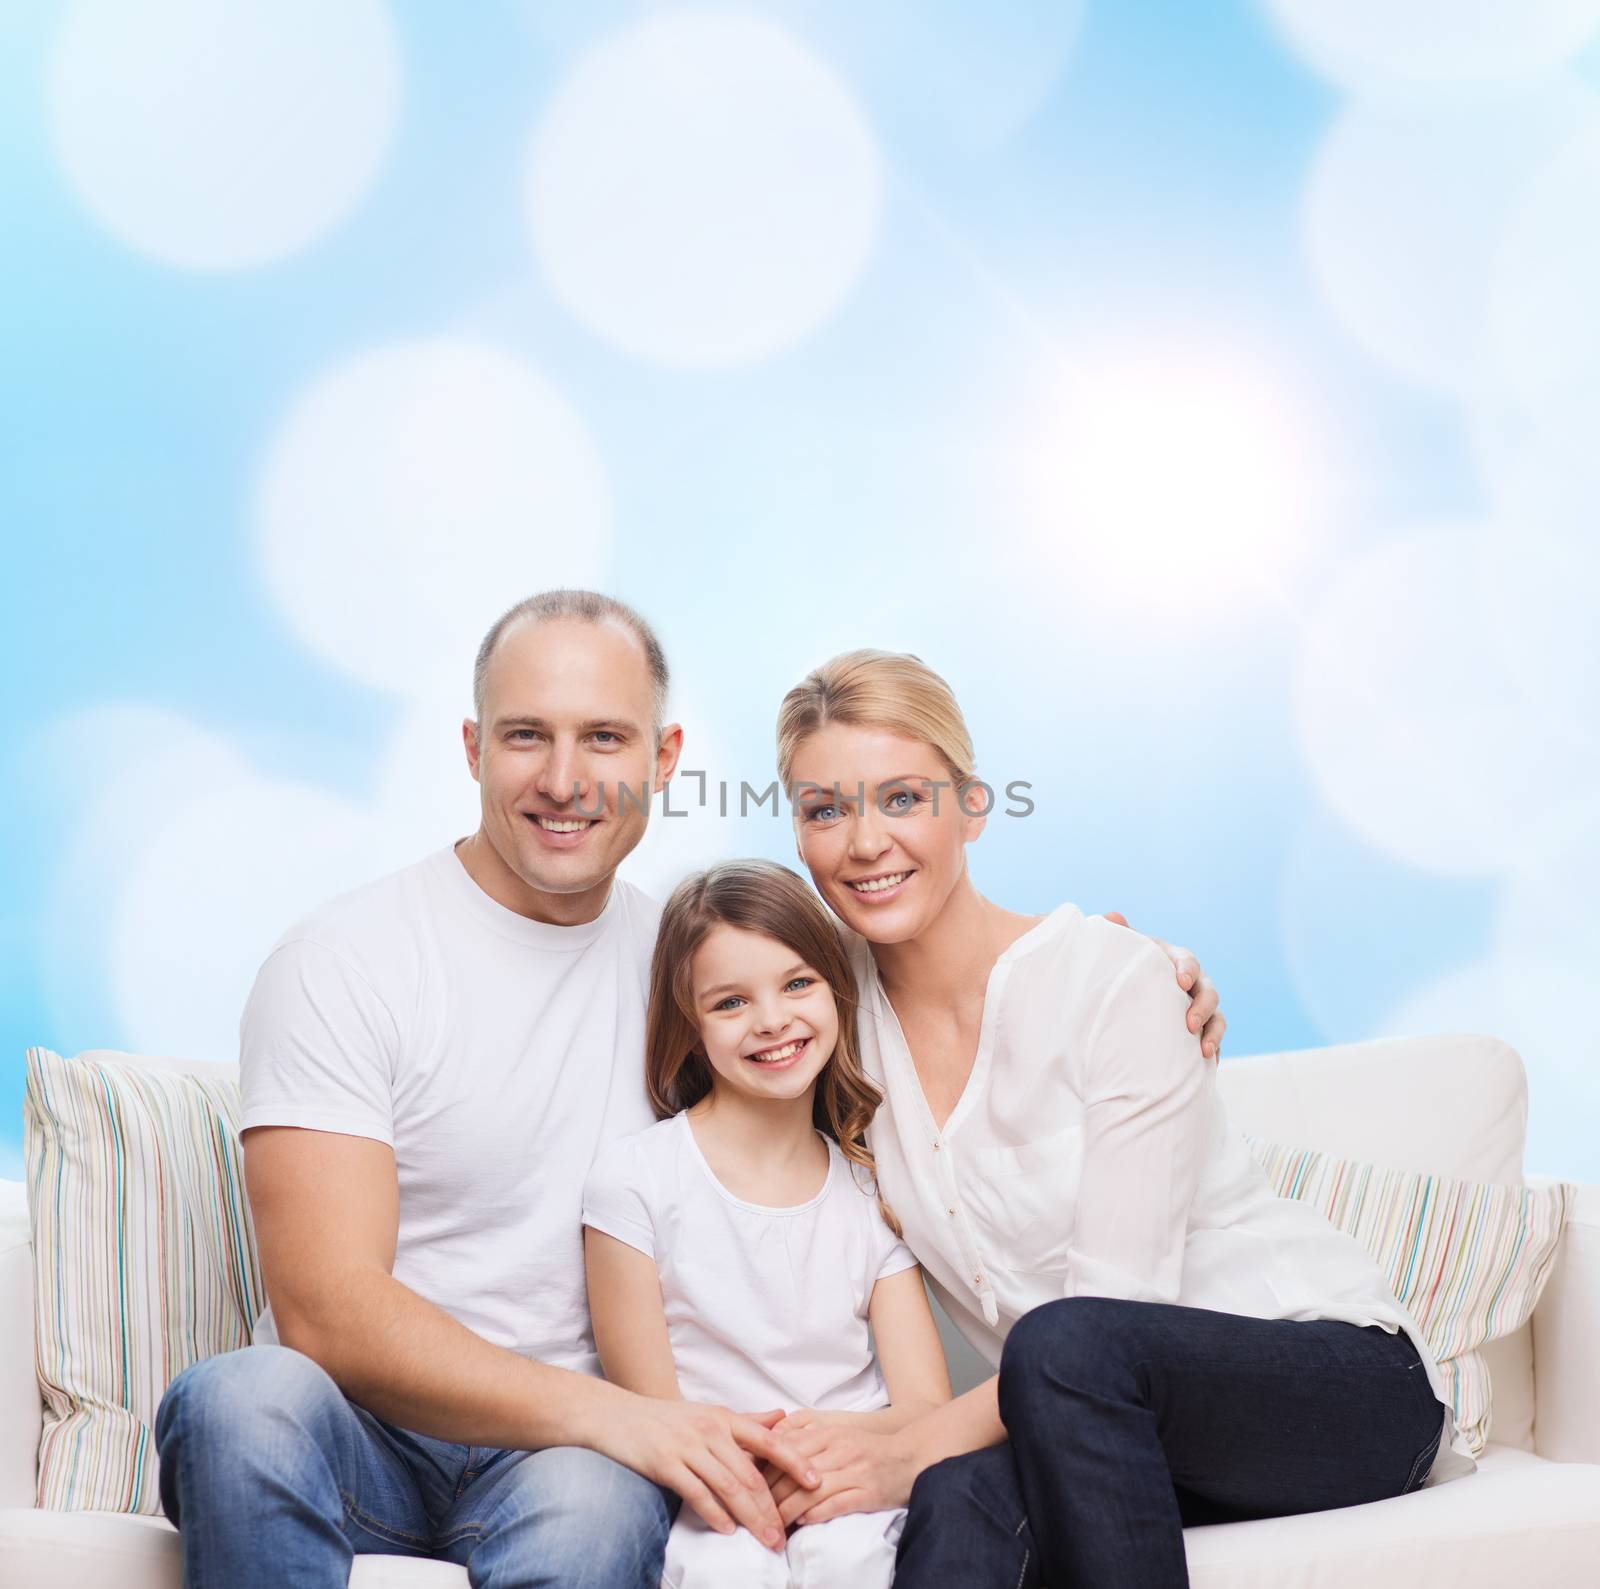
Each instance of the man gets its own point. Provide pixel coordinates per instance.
(429, 1065)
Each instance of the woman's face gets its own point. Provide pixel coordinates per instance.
(880, 828)
(768, 1021)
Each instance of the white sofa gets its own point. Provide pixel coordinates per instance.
(1530, 1515)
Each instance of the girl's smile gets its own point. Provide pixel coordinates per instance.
(781, 1055)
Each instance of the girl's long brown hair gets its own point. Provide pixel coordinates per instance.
(764, 897)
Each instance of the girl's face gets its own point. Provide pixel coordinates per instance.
(880, 828)
(768, 1022)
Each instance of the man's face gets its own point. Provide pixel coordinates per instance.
(564, 756)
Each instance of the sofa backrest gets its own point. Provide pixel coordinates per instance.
(1455, 1106)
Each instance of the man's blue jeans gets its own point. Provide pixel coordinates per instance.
(274, 1477)
(1130, 1420)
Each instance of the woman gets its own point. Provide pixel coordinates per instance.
(1175, 1344)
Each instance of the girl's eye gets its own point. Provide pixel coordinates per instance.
(735, 998)
(820, 813)
(902, 794)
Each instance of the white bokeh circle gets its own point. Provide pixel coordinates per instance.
(412, 494)
(1416, 734)
(1151, 454)
(949, 74)
(115, 772)
(220, 136)
(1535, 434)
(210, 892)
(703, 189)
(945, 73)
(1367, 43)
(1407, 207)
(1548, 925)
(1540, 562)
(426, 795)
(1348, 920)
(1544, 309)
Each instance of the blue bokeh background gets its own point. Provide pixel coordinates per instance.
(1143, 409)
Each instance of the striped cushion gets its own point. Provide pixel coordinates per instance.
(1467, 1261)
(144, 1259)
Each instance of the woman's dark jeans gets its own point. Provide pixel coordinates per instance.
(1130, 1420)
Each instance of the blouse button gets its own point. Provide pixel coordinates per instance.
(951, 1212)
(936, 1147)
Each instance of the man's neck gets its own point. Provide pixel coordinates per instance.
(487, 868)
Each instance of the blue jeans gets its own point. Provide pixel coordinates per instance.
(1130, 1420)
(274, 1477)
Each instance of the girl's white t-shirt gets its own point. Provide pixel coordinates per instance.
(1090, 1155)
(766, 1307)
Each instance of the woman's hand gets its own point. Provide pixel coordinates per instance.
(1205, 1013)
(789, 1426)
(709, 1456)
(861, 1469)
(814, 1418)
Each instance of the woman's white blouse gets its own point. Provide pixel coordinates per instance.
(1090, 1155)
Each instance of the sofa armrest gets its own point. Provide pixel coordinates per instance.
(1566, 1340)
(21, 1409)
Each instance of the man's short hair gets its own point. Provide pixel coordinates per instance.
(587, 606)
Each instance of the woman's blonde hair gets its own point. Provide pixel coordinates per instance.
(758, 896)
(891, 690)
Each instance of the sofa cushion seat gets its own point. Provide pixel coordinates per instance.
(129, 1550)
(1518, 1519)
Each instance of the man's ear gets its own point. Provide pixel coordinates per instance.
(469, 738)
(668, 750)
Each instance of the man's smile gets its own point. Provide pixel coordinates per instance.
(560, 832)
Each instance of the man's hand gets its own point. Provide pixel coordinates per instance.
(1205, 1017)
(861, 1470)
(706, 1455)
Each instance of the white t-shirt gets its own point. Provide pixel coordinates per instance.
(1090, 1155)
(494, 1054)
(766, 1307)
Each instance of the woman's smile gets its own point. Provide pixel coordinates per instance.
(881, 887)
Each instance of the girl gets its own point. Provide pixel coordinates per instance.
(737, 1251)
(1175, 1344)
